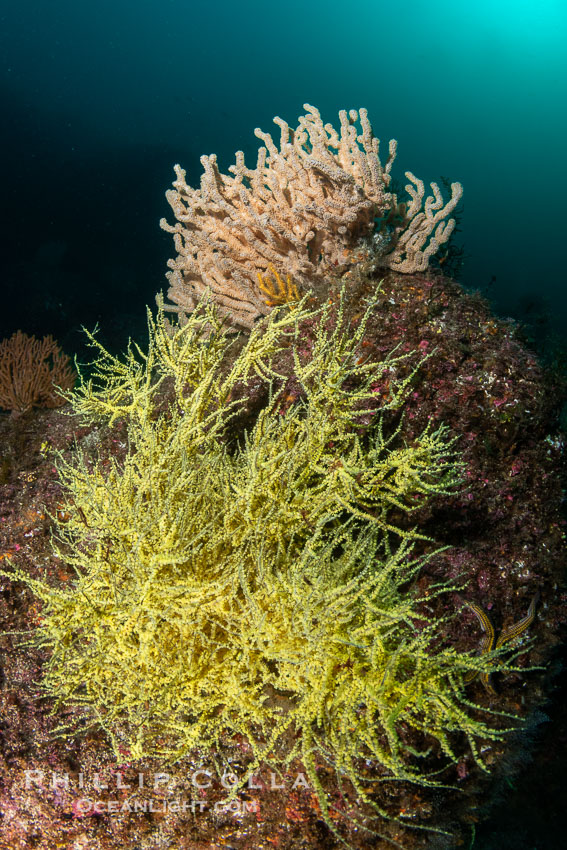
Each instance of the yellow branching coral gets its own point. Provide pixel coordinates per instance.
(263, 585)
(308, 208)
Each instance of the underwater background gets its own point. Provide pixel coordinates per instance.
(99, 101)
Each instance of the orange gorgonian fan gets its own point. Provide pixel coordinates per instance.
(30, 371)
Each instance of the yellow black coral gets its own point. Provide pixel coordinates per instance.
(208, 580)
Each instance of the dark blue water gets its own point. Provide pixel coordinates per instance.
(98, 101)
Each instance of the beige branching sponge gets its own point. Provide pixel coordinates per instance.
(306, 210)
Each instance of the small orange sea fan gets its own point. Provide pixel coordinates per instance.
(30, 371)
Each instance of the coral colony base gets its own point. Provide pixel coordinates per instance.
(275, 544)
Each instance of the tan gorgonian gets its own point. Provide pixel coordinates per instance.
(313, 206)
